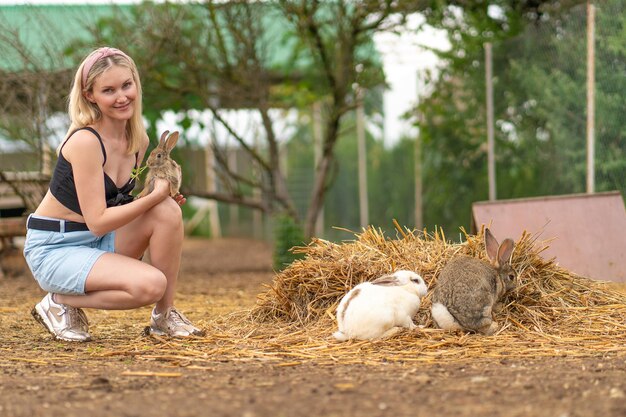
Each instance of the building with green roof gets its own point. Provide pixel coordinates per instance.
(47, 31)
(44, 43)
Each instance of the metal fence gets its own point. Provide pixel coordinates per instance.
(565, 87)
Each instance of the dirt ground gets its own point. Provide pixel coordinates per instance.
(118, 375)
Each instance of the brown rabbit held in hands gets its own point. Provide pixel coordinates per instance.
(161, 165)
(468, 289)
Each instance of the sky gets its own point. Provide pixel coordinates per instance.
(404, 59)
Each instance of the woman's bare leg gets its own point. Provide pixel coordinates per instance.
(121, 280)
(117, 282)
(161, 230)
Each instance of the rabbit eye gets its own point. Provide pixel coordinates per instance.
(511, 277)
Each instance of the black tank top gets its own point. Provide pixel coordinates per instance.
(63, 188)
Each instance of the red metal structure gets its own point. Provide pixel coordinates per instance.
(589, 230)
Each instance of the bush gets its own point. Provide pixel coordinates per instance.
(287, 234)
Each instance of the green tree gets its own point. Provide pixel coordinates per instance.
(539, 95)
(216, 55)
(219, 55)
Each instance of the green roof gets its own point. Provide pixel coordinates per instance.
(46, 31)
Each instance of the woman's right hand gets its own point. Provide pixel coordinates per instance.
(161, 188)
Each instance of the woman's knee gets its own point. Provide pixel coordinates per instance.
(168, 211)
(167, 214)
(133, 239)
(150, 288)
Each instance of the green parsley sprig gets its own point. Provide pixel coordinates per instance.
(136, 172)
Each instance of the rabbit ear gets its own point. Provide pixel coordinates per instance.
(491, 245)
(162, 140)
(387, 281)
(171, 141)
(505, 251)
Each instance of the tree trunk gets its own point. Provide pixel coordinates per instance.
(318, 194)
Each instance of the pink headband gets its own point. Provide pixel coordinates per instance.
(97, 55)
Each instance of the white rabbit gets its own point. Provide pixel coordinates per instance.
(378, 309)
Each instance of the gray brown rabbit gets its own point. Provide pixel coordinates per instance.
(468, 289)
(161, 165)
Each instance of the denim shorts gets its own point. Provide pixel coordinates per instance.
(60, 262)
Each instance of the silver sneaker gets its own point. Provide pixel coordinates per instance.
(64, 322)
(173, 323)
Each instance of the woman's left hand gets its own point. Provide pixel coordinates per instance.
(180, 199)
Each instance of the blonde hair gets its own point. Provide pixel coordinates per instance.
(82, 112)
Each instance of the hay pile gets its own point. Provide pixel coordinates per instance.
(553, 311)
